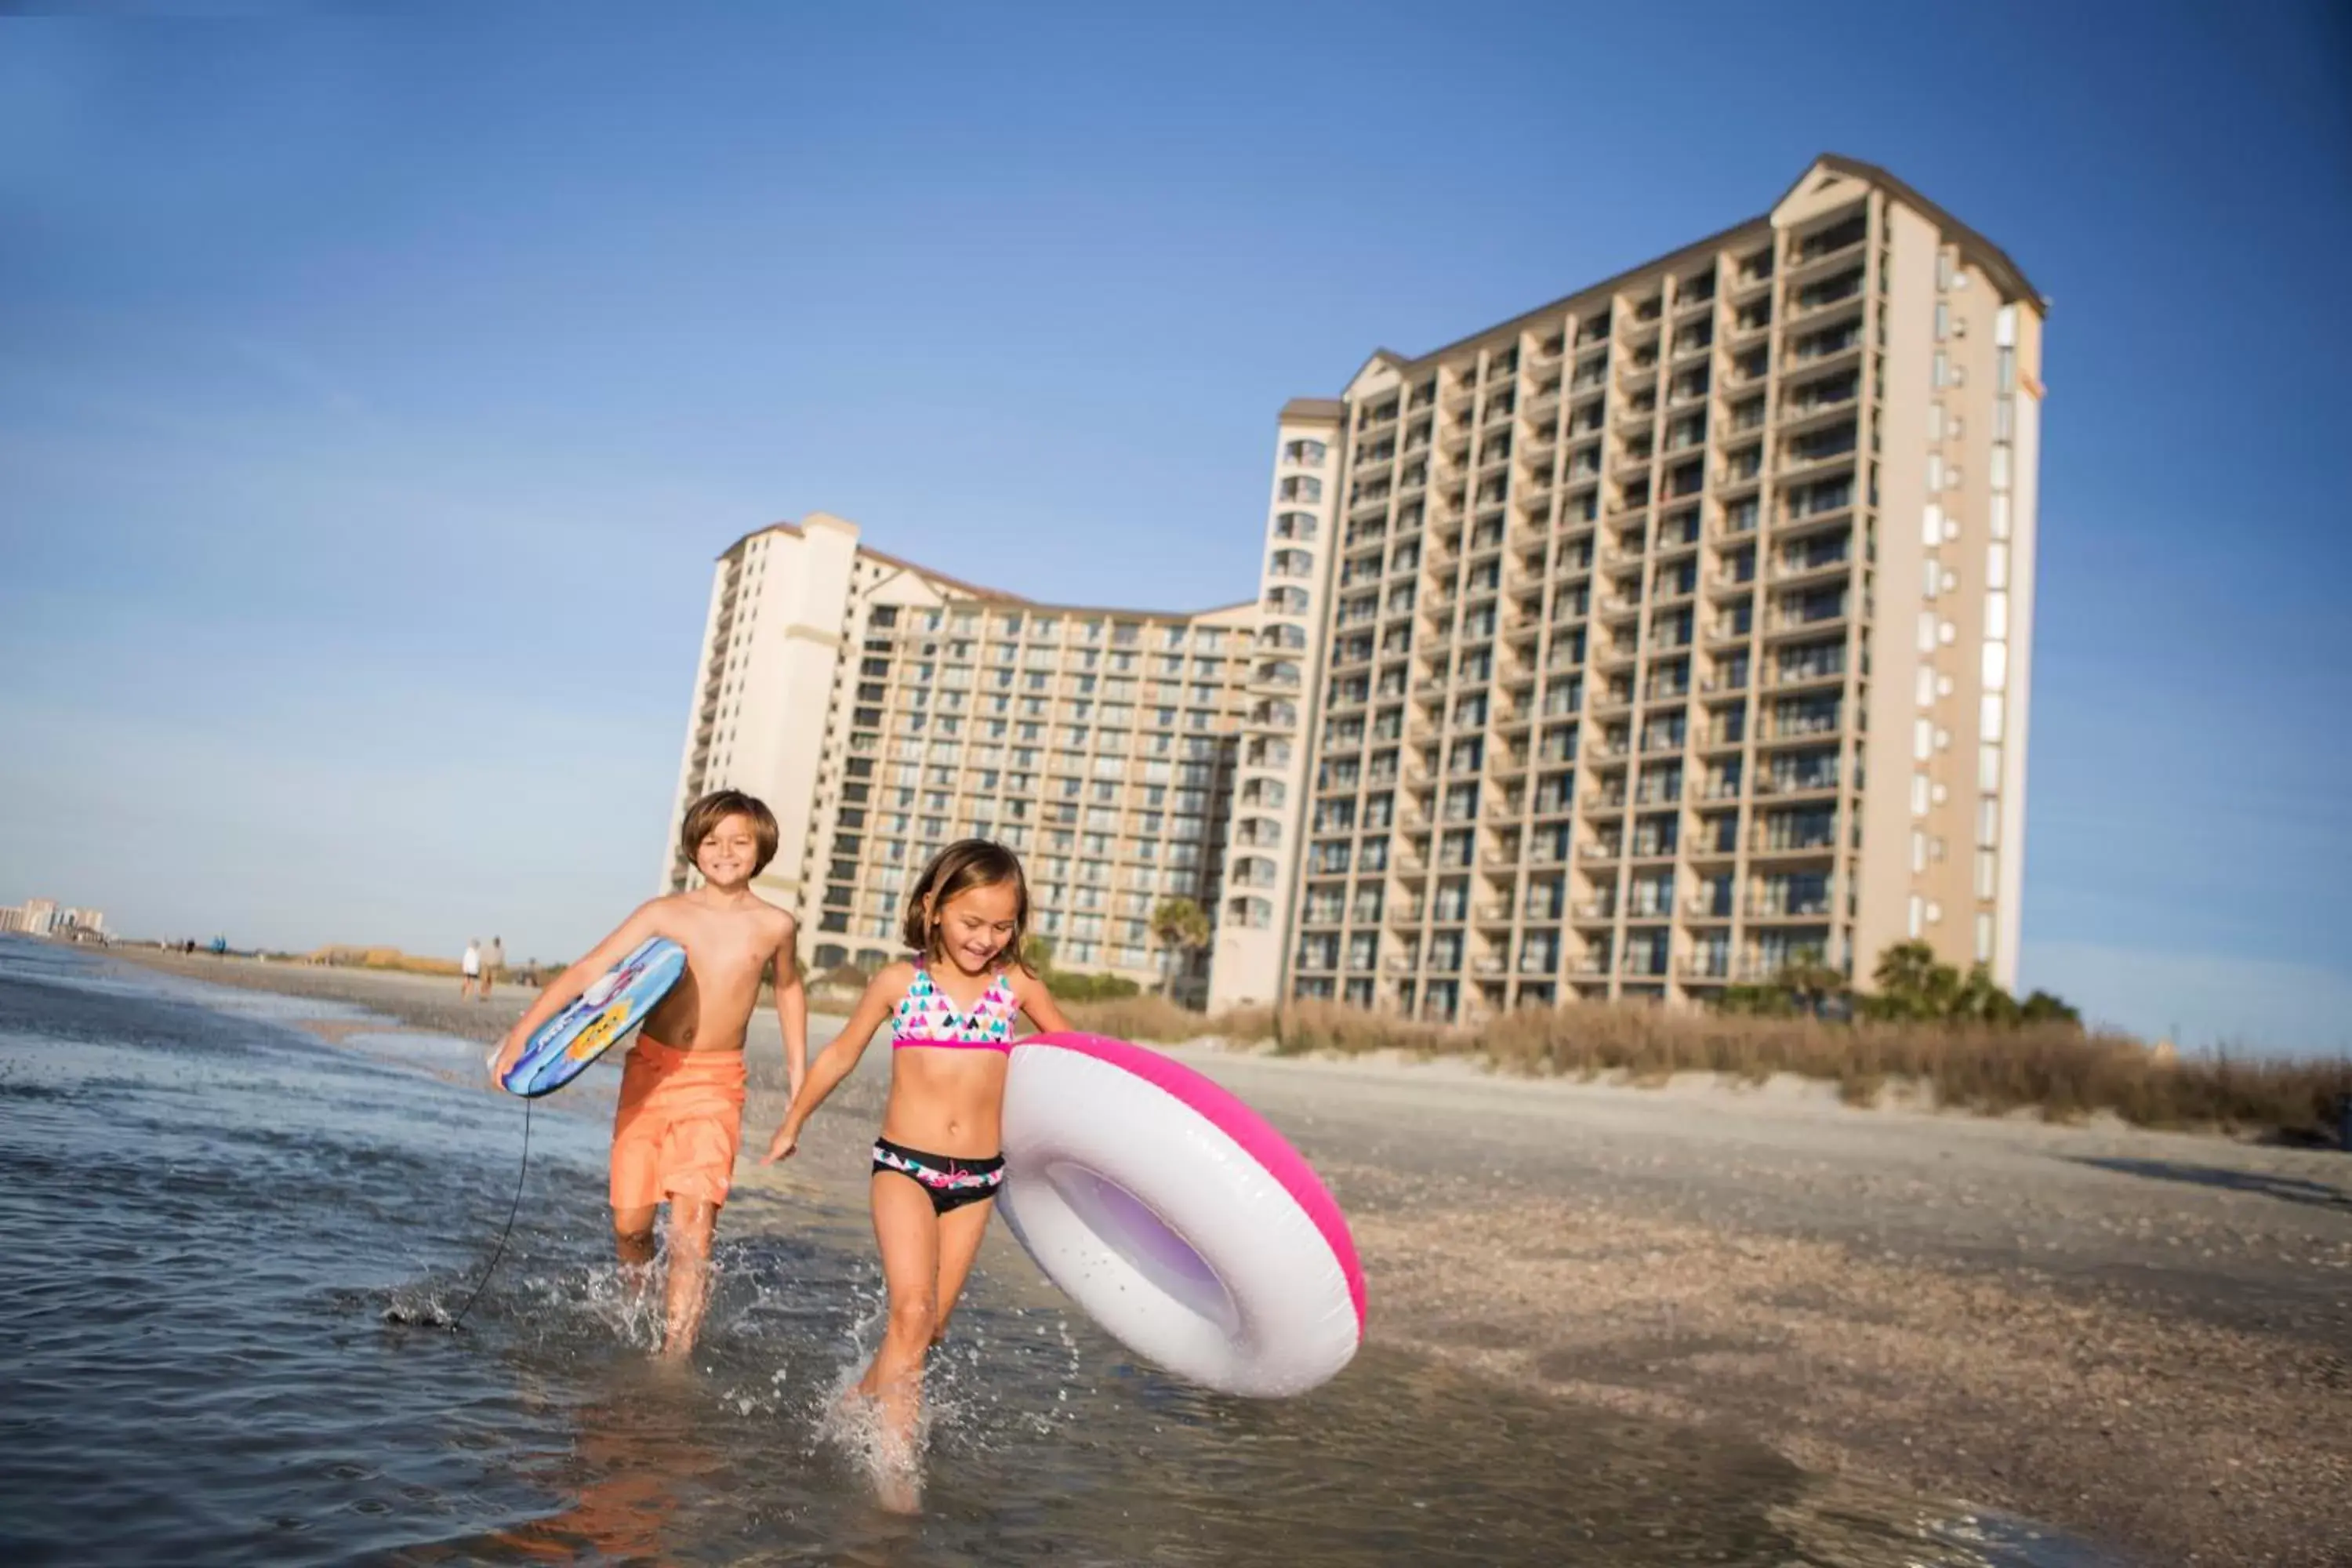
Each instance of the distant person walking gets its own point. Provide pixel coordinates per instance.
(494, 957)
(470, 968)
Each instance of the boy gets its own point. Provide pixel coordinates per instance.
(680, 1119)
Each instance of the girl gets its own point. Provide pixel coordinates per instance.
(940, 1158)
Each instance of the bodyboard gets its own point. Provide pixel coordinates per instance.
(606, 1014)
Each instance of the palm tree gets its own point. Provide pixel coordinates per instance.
(1981, 1000)
(1914, 983)
(1178, 926)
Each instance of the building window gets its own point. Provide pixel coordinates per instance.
(1254, 871)
(1282, 635)
(1995, 669)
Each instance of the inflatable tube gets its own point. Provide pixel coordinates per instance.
(614, 1004)
(1177, 1217)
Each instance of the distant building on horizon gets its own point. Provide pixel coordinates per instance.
(1641, 646)
(42, 916)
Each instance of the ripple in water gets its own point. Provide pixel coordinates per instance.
(232, 1243)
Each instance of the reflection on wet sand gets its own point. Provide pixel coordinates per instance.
(637, 1461)
(1047, 1446)
(296, 1418)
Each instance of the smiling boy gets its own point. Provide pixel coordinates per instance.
(680, 1123)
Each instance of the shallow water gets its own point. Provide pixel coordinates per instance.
(223, 1233)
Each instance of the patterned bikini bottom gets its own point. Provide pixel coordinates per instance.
(950, 1181)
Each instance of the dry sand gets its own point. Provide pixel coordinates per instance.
(2140, 1337)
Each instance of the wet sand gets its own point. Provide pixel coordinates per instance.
(2146, 1338)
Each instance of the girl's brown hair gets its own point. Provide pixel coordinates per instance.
(966, 864)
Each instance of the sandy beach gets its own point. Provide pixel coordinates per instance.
(2144, 1338)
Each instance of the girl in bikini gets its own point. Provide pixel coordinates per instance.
(940, 1158)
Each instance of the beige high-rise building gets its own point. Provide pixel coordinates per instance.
(34, 917)
(882, 710)
(1669, 633)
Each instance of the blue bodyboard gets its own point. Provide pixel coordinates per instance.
(602, 1016)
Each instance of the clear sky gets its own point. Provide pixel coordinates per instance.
(375, 391)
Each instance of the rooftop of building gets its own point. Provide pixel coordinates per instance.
(979, 594)
(1983, 253)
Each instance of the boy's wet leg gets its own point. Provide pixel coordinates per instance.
(692, 1223)
(633, 1243)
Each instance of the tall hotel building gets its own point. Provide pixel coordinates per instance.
(1658, 638)
(882, 711)
(1637, 646)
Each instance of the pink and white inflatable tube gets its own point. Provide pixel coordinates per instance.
(1177, 1218)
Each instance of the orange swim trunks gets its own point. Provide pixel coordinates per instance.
(679, 1123)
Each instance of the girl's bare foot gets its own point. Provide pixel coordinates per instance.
(898, 1475)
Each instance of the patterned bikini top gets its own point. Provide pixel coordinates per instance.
(926, 1015)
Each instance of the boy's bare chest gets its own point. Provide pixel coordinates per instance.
(726, 958)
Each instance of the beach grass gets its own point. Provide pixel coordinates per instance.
(2058, 1071)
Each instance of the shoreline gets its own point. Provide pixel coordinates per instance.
(2139, 1336)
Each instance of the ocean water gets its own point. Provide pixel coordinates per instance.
(229, 1242)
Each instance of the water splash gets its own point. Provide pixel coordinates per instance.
(299, 1416)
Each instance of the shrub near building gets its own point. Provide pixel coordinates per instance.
(1913, 987)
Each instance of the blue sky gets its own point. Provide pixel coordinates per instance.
(375, 390)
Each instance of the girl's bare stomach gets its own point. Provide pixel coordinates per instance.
(950, 1108)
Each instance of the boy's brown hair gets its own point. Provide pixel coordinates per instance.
(966, 864)
(717, 807)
